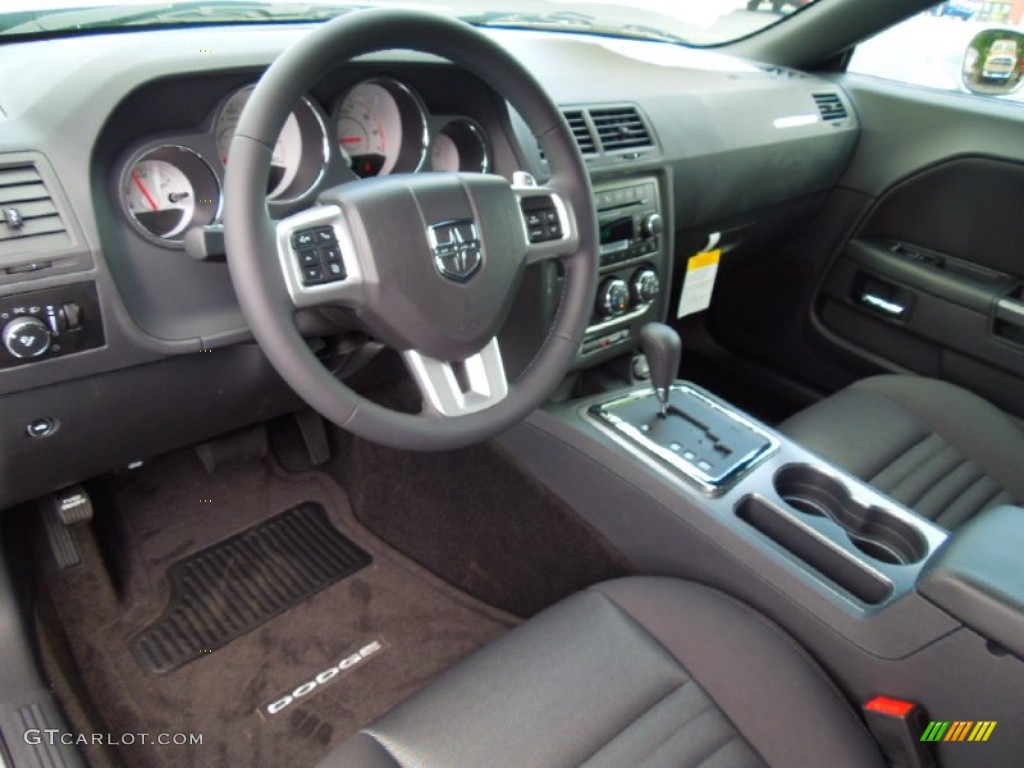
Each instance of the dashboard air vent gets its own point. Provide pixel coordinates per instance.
(830, 106)
(782, 72)
(28, 215)
(581, 131)
(620, 128)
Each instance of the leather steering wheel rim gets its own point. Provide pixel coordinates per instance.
(251, 233)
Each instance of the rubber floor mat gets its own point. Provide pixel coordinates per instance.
(234, 586)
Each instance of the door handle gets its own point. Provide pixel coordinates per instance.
(890, 308)
(1010, 311)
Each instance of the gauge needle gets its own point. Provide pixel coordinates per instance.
(351, 140)
(142, 187)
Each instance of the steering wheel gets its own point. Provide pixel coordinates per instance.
(429, 263)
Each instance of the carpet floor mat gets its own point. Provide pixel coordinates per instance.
(286, 687)
(232, 587)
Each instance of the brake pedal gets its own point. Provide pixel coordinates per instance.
(62, 510)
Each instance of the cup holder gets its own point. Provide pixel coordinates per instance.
(874, 531)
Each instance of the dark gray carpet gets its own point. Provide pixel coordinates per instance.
(478, 520)
(170, 509)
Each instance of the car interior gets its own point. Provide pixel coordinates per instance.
(525, 391)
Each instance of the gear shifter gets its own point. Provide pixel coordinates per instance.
(663, 349)
(702, 438)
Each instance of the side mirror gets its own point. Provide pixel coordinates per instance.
(993, 62)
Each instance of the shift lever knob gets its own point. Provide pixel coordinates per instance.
(663, 349)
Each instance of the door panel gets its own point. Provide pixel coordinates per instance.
(930, 280)
(915, 263)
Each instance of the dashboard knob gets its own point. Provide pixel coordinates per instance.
(26, 337)
(653, 225)
(612, 297)
(646, 286)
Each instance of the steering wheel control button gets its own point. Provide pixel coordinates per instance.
(312, 275)
(26, 337)
(541, 217)
(318, 255)
(41, 427)
(303, 239)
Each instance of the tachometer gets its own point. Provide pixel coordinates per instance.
(381, 128)
(168, 190)
(299, 153)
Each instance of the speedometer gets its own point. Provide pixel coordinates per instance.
(381, 128)
(299, 153)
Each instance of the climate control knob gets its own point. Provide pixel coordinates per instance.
(612, 297)
(653, 225)
(26, 337)
(645, 286)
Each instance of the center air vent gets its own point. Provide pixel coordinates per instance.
(830, 106)
(606, 130)
(789, 74)
(29, 220)
(620, 128)
(581, 131)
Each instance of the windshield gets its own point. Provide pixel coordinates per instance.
(690, 22)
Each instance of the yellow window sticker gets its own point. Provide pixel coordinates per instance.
(699, 282)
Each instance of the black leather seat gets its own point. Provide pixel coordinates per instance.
(934, 447)
(640, 672)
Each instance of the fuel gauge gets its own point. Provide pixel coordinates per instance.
(167, 191)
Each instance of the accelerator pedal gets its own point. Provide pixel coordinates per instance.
(62, 510)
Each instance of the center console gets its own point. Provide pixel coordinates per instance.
(772, 495)
(762, 488)
(683, 483)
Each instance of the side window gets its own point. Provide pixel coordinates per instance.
(965, 46)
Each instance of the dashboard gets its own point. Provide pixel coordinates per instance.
(132, 337)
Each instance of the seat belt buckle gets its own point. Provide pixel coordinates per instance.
(898, 726)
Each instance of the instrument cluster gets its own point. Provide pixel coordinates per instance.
(377, 127)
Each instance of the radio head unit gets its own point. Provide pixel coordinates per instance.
(629, 220)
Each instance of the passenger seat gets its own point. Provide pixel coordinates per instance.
(935, 447)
